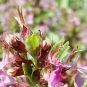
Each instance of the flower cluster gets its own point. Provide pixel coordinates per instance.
(31, 61)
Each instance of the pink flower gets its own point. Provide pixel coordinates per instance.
(6, 79)
(54, 60)
(78, 82)
(55, 77)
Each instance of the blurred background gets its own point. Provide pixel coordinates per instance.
(55, 18)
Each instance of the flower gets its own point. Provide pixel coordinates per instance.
(78, 82)
(5, 79)
(46, 44)
(55, 77)
(14, 42)
(53, 59)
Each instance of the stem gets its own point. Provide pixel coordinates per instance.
(38, 85)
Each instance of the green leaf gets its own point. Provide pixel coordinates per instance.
(63, 51)
(32, 41)
(42, 15)
(64, 3)
(31, 84)
(53, 36)
(27, 70)
(56, 46)
(1, 28)
(28, 73)
(32, 59)
(85, 83)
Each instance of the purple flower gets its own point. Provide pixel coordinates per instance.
(55, 77)
(6, 79)
(7, 59)
(78, 82)
(54, 60)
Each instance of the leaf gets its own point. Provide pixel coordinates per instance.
(56, 47)
(60, 42)
(33, 41)
(27, 70)
(30, 82)
(63, 51)
(60, 49)
(42, 15)
(32, 59)
(64, 3)
(28, 73)
(53, 36)
(85, 83)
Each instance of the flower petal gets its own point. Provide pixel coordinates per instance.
(55, 77)
(78, 81)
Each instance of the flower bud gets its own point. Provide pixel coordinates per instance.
(11, 72)
(46, 44)
(15, 42)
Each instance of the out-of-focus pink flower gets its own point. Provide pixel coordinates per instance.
(55, 77)
(78, 82)
(83, 70)
(43, 28)
(8, 57)
(6, 61)
(21, 84)
(29, 19)
(74, 20)
(6, 79)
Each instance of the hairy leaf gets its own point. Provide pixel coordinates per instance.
(63, 51)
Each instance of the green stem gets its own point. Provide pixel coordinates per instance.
(38, 85)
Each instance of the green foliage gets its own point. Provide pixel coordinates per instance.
(43, 14)
(58, 43)
(3, 1)
(63, 51)
(1, 29)
(32, 43)
(85, 83)
(54, 37)
(13, 26)
(64, 3)
(28, 73)
(32, 59)
(26, 4)
(62, 15)
(27, 70)
(30, 78)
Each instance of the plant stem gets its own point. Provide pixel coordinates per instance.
(38, 85)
